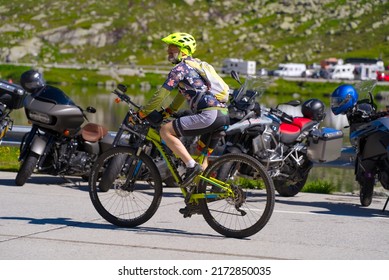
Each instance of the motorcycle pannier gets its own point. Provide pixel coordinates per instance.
(11, 95)
(325, 145)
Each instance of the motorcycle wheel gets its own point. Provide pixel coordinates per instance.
(111, 172)
(288, 190)
(26, 169)
(366, 183)
(366, 192)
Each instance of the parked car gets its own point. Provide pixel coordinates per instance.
(308, 73)
(321, 74)
(383, 76)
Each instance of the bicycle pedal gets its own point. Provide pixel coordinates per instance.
(185, 212)
(190, 210)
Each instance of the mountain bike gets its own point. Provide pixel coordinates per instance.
(234, 194)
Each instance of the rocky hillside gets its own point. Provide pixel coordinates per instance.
(129, 31)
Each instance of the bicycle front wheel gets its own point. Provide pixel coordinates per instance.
(132, 195)
(248, 201)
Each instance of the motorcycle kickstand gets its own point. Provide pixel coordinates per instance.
(77, 184)
(386, 204)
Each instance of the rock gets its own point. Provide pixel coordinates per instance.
(32, 47)
(189, 2)
(377, 25)
(8, 28)
(287, 26)
(353, 25)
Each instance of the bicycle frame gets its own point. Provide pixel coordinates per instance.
(155, 138)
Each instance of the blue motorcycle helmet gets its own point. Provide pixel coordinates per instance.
(343, 99)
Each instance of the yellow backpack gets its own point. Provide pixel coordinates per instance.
(216, 85)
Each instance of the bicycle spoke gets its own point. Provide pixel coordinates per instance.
(134, 191)
(250, 204)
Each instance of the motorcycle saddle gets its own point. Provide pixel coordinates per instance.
(304, 123)
(93, 132)
(290, 131)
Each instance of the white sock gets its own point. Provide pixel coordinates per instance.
(191, 163)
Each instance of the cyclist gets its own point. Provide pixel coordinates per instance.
(208, 113)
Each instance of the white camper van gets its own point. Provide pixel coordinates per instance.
(343, 72)
(290, 70)
(243, 67)
(367, 72)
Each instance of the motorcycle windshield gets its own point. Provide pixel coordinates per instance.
(364, 88)
(54, 95)
(253, 88)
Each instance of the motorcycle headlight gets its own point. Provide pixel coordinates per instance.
(40, 117)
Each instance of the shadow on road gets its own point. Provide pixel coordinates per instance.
(338, 208)
(67, 222)
(74, 183)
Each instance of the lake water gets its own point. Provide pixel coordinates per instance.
(110, 114)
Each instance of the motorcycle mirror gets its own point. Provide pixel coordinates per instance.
(372, 101)
(235, 76)
(91, 110)
(294, 103)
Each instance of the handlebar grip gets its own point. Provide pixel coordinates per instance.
(122, 88)
(281, 115)
(122, 96)
(287, 118)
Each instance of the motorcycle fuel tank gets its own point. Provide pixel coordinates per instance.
(50, 108)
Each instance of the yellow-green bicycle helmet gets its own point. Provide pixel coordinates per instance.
(184, 41)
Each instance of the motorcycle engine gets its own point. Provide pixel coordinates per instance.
(80, 162)
(73, 160)
(262, 145)
(267, 149)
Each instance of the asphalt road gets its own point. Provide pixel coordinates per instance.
(50, 218)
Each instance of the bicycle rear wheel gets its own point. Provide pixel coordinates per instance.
(250, 207)
(134, 192)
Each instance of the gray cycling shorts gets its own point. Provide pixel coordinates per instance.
(202, 123)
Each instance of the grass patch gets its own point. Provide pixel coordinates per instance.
(251, 184)
(9, 158)
(319, 186)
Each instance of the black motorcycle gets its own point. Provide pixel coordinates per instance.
(57, 144)
(11, 98)
(369, 135)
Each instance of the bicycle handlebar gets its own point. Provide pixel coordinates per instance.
(120, 92)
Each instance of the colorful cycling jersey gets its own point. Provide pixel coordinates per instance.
(192, 86)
